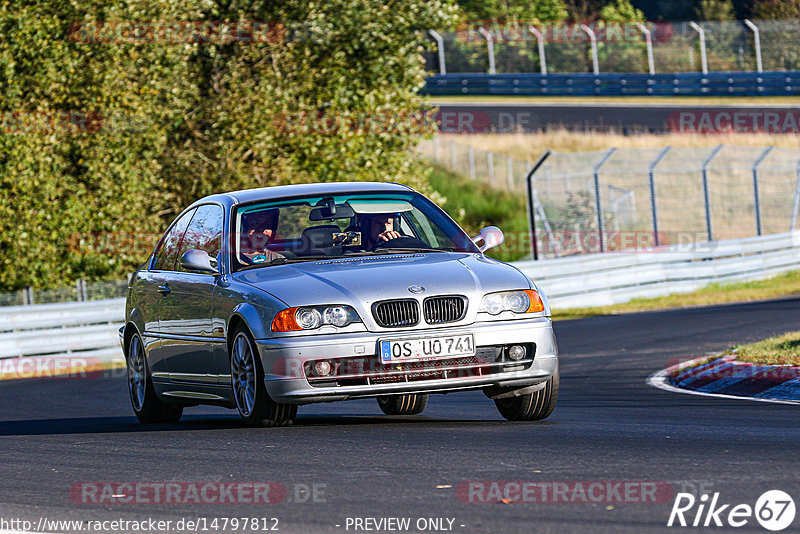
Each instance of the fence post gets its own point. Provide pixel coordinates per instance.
(531, 200)
(649, 40)
(78, 290)
(490, 48)
(709, 229)
(471, 151)
(440, 49)
(796, 204)
(703, 57)
(540, 43)
(598, 207)
(593, 40)
(27, 296)
(510, 172)
(755, 188)
(651, 175)
(756, 42)
(453, 156)
(490, 163)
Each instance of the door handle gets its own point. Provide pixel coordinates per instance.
(164, 289)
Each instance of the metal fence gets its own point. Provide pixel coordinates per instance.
(80, 291)
(649, 47)
(620, 199)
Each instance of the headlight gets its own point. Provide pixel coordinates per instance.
(312, 317)
(524, 301)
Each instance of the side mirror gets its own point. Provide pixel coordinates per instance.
(199, 261)
(489, 237)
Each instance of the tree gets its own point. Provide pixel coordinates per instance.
(161, 123)
(718, 10)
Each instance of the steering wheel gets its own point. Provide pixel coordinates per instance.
(401, 242)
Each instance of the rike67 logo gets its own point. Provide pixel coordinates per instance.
(774, 510)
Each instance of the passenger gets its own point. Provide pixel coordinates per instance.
(258, 231)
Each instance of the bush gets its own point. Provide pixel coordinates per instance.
(150, 127)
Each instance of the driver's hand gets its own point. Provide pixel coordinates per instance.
(389, 235)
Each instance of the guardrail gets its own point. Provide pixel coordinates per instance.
(612, 278)
(615, 84)
(90, 329)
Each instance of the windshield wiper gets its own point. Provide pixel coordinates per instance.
(281, 261)
(407, 250)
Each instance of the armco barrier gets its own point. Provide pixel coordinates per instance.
(612, 278)
(91, 328)
(615, 84)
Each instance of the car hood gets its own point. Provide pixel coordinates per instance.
(362, 281)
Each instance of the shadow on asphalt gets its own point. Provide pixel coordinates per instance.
(103, 425)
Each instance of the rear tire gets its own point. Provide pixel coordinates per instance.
(532, 406)
(144, 401)
(249, 392)
(409, 404)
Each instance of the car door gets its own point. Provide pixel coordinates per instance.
(187, 328)
(157, 286)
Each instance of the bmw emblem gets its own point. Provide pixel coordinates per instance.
(416, 289)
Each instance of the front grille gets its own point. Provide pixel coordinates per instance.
(369, 370)
(440, 310)
(396, 313)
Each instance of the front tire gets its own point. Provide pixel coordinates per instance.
(410, 404)
(247, 380)
(146, 404)
(532, 406)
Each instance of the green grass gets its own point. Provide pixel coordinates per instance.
(474, 205)
(783, 285)
(778, 350)
(715, 101)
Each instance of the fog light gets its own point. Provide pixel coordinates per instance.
(323, 368)
(516, 352)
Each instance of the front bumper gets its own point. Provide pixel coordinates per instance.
(284, 362)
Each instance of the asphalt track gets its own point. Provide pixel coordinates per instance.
(609, 425)
(485, 117)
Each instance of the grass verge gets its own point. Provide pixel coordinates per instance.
(778, 350)
(784, 285)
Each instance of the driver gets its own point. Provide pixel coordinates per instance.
(380, 228)
(258, 231)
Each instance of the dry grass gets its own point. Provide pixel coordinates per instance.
(784, 285)
(778, 350)
(529, 146)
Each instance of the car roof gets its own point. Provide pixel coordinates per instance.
(282, 191)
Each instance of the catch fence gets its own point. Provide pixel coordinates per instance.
(623, 199)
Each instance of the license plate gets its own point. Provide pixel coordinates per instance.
(409, 350)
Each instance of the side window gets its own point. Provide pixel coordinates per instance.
(167, 253)
(204, 232)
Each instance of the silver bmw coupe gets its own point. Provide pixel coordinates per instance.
(266, 299)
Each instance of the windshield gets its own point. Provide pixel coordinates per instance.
(322, 227)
